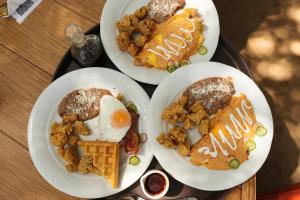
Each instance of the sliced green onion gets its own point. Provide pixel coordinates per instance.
(250, 145)
(131, 106)
(261, 131)
(202, 50)
(171, 68)
(234, 163)
(134, 160)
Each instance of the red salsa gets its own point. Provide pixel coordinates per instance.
(155, 183)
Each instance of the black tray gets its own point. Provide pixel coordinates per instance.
(225, 53)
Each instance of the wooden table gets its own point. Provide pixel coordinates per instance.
(29, 54)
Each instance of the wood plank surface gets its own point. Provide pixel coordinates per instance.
(249, 189)
(40, 39)
(29, 54)
(91, 10)
(20, 85)
(19, 179)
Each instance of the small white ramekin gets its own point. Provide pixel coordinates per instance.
(142, 182)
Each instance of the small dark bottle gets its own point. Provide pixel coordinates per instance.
(85, 49)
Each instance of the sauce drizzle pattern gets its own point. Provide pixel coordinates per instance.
(246, 120)
(171, 50)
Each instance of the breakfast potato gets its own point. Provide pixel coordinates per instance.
(123, 40)
(69, 118)
(71, 155)
(73, 139)
(203, 127)
(178, 134)
(183, 150)
(85, 164)
(141, 12)
(59, 139)
(146, 26)
(81, 128)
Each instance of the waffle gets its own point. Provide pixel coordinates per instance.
(105, 158)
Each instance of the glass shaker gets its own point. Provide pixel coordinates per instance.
(85, 49)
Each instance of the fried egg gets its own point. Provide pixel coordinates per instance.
(114, 119)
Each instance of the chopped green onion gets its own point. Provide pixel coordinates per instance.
(234, 163)
(134, 160)
(261, 131)
(202, 50)
(171, 68)
(250, 145)
(130, 105)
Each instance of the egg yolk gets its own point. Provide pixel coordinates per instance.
(120, 119)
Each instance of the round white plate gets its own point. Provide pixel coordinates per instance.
(44, 113)
(114, 10)
(181, 168)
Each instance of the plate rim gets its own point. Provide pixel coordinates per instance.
(190, 68)
(30, 126)
(125, 70)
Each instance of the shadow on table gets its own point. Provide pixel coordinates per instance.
(283, 158)
(239, 18)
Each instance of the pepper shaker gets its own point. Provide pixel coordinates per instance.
(85, 49)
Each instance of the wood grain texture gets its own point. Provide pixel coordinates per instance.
(19, 179)
(40, 39)
(249, 189)
(20, 85)
(233, 194)
(91, 10)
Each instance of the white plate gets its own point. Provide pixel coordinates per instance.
(181, 168)
(114, 10)
(44, 112)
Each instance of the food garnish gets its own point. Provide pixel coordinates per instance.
(171, 68)
(261, 131)
(134, 160)
(184, 63)
(234, 163)
(202, 50)
(250, 145)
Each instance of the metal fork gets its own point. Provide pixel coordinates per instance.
(3, 10)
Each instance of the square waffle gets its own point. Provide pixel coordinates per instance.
(105, 158)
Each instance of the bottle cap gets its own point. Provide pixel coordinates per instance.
(74, 34)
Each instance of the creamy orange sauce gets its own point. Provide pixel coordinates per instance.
(229, 129)
(174, 40)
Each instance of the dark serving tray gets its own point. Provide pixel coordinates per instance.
(225, 53)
